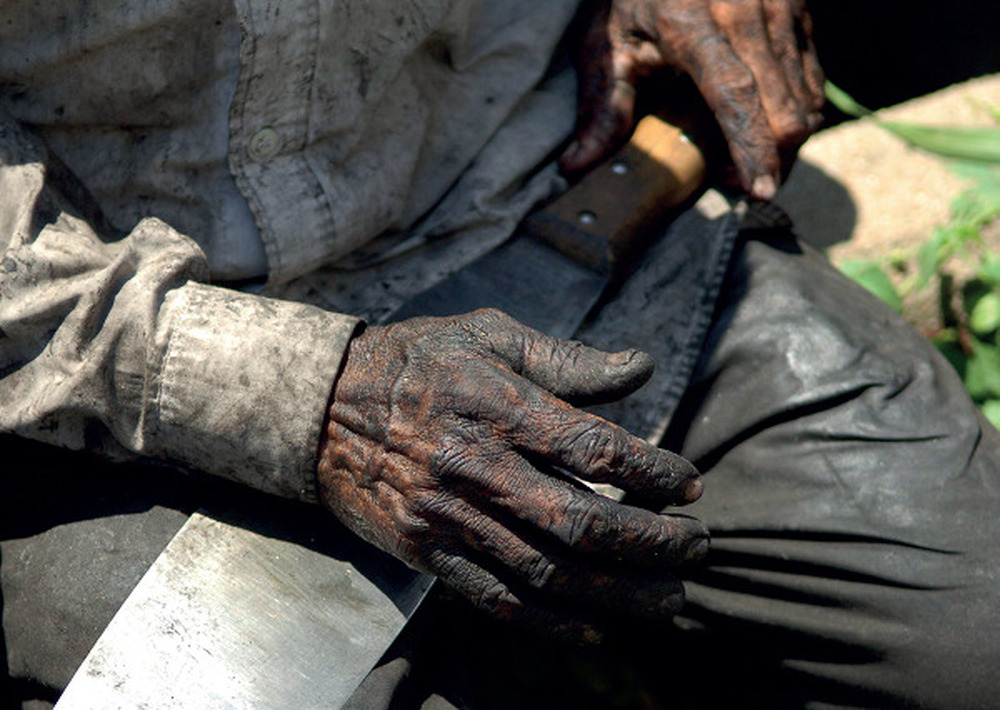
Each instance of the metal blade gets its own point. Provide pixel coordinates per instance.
(228, 617)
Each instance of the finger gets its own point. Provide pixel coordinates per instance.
(803, 73)
(628, 590)
(729, 89)
(604, 124)
(583, 521)
(568, 369)
(784, 29)
(753, 40)
(488, 593)
(606, 106)
(810, 60)
(554, 434)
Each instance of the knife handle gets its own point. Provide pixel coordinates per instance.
(626, 200)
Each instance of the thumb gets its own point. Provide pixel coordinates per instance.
(570, 370)
(606, 108)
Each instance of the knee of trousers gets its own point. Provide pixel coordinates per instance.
(851, 488)
(796, 348)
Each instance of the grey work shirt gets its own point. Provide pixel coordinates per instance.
(354, 150)
(385, 141)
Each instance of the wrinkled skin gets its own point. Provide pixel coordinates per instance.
(752, 60)
(446, 443)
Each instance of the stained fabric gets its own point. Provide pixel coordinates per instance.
(153, 153)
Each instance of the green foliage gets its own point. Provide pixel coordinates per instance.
(984, 316)
(870, 275)
(973, 144)
(969, 332)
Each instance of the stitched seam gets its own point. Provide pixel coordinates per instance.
(153, 430)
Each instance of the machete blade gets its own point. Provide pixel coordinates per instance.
(231, 617)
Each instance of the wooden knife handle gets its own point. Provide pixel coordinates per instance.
(630, 197)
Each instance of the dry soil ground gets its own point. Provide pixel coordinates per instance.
(859, 192)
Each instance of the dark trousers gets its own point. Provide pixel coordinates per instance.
(851, 488)
(853, 493)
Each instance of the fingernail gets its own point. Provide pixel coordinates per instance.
(623, 358)
(697, 549)
(569, 155)
(764, 187)
(693, 490)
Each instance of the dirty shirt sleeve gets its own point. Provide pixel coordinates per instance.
(113, 344)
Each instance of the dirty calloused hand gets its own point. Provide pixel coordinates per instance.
(752, 60)
(447, 444)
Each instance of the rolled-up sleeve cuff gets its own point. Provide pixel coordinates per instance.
(242, 385)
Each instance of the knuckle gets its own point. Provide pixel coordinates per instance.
(431, 505)
(490, 313)
(570, 353)
(791, 129)
(449, 567)
(497, 600)
(670, 19)
(596, 445)
(567, 360)
(542, 574)
(411, 526)
(453, 461)
(485, 320)
(586, 523)
(544, 350)
(477, 330)
(602, 455)
(735, 16)
(737, 86)
(652, 537)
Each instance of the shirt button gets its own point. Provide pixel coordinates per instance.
(264, 143)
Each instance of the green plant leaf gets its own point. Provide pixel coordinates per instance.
(969, 211)
(984, 316)
(964, 142)
(932, 255)
(991, 410)
(989, 270)
(871, 276)
(844, 101)
(980, 204)
(982, 372)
